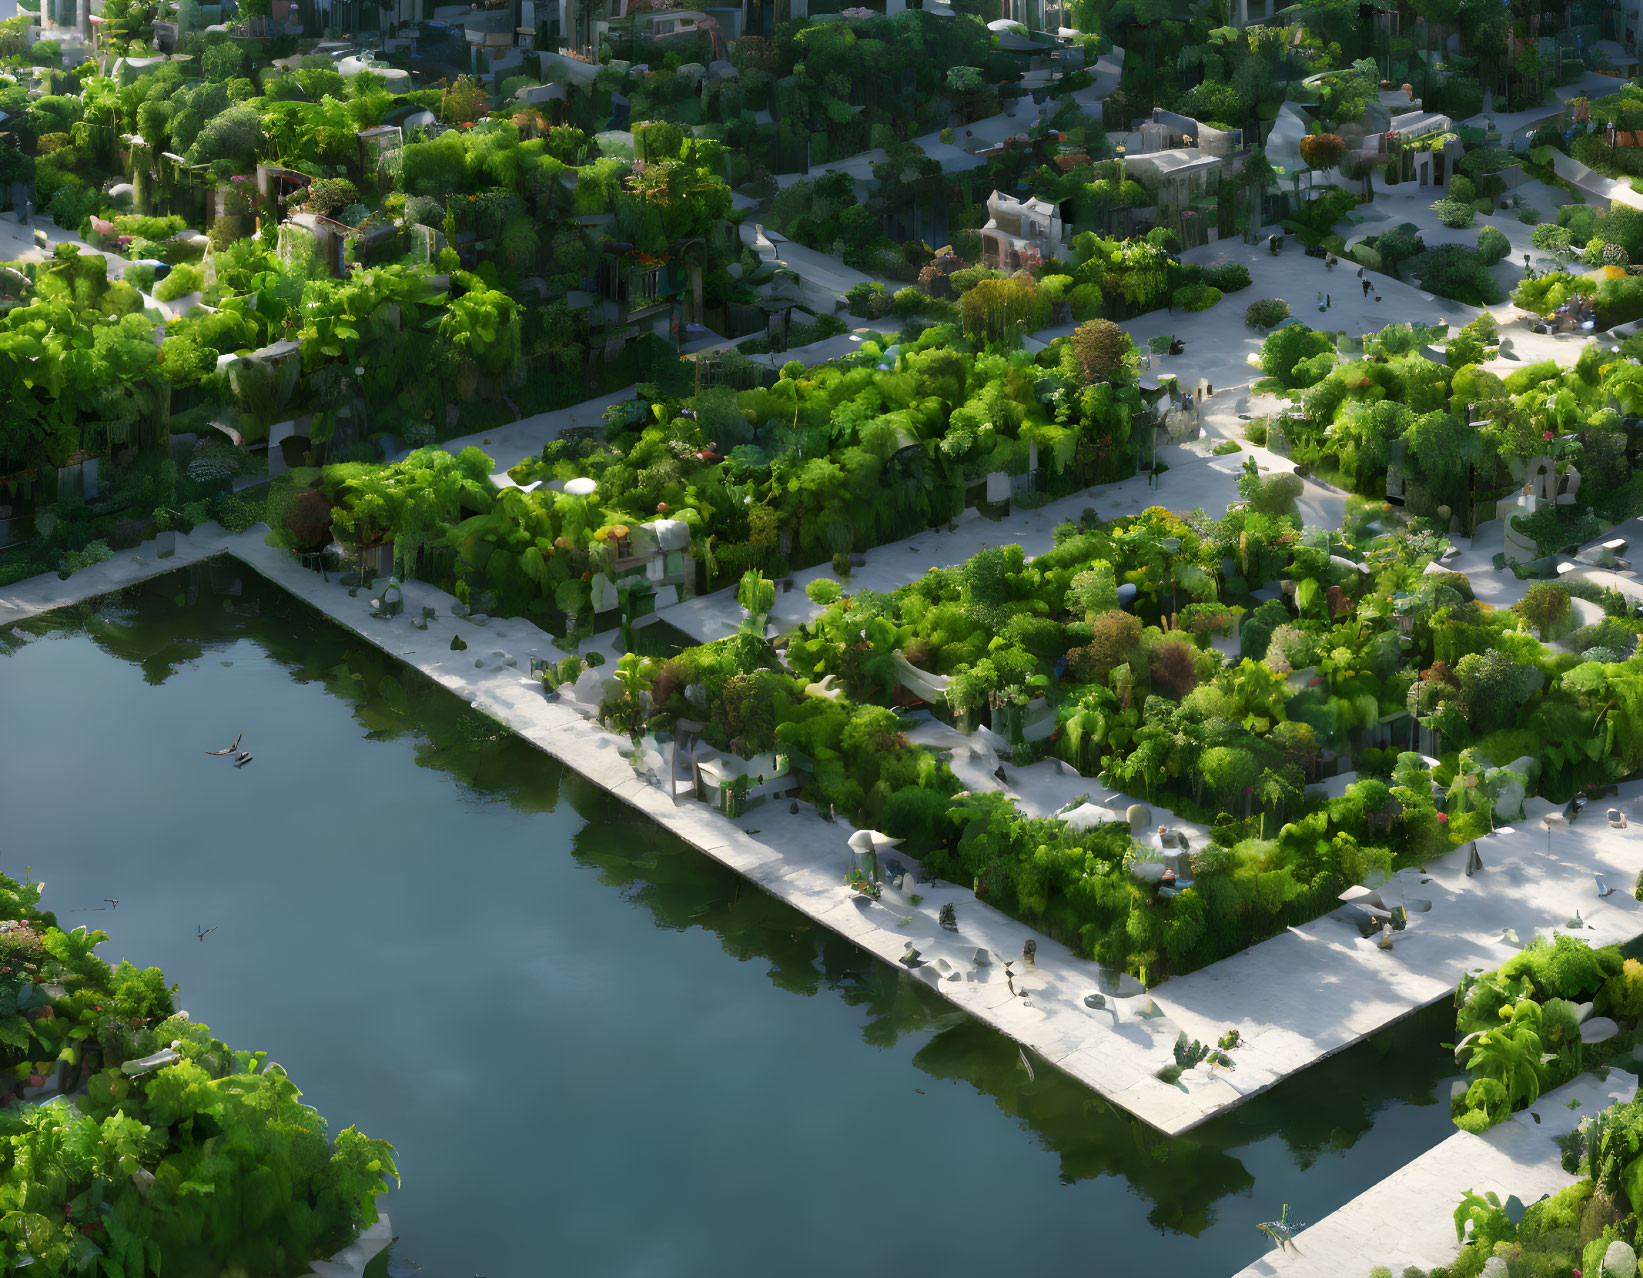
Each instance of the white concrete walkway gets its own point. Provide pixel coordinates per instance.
(1408, 1218)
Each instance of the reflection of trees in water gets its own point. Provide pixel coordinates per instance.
(125, 633)
(1333, 1104)
(1328, 1108)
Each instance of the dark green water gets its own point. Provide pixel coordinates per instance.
(598, 1052)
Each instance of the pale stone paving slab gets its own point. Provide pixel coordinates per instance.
(1408, 1218)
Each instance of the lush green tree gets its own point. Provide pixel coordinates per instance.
(1494, 688)
(1543, 606)
(1103, 349)
(1296, 356)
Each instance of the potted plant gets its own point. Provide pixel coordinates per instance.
(733, 795)
(165, 536)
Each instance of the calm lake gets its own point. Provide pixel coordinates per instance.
(597, 1052)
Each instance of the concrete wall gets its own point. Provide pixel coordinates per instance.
(1216, 142)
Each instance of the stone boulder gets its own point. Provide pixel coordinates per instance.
(1508, 787)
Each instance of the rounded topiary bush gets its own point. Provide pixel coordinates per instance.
(1454, 214)
(1195, 297)
(1550, 238)
(1266, 313)
(823, 591)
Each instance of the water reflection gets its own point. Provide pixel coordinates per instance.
(1328, 1109)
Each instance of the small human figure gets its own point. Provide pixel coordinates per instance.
(1365, 284)
(1029, 951)
(1329, 302)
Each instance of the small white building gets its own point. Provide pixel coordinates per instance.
(1019, 231)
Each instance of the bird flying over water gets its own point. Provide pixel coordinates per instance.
(231, 749)
(203, 932)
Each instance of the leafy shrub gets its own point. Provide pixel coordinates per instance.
(1608, 633)
(1619, 301)
(424, 210)
(823, 591)
(1297, 356)
(95, 552)
(235, 513)
(1550, 238)
(1102, 349)
(149, 228)
(1454, 214)
(1546, 293)
(73, 204)
(234, 135)
(1599, 252)
(1195, 297)
(327, 195)
(1493, 246)
(1461, 189)
(20, 568)
(1543, 606)
(1229, 277)
(182, 281)
(222, 62)
(868, 299)
(1266, 313)
(1624, 991)
(1457, 272)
